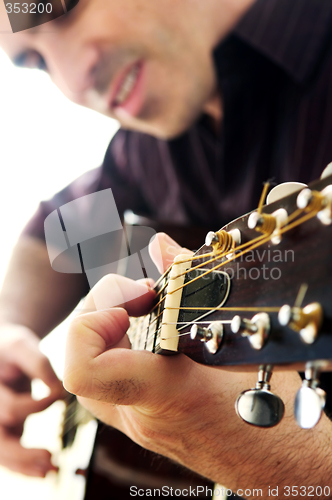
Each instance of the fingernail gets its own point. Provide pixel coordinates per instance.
(170, 241)
(40, 471)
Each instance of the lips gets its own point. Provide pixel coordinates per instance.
(127, 86)
(128, 89)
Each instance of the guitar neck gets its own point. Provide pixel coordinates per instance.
(251, 283)
(144, 332)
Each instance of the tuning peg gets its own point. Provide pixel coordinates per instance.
(269, 224)
(211, 336)
(282, 190)
(223, 241)
(327, 171)
(319, 201)
(256, 328)
(259, 406)
(310, 399)
(306, 321)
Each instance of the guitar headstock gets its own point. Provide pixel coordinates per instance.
(265, 281)
(258, 294)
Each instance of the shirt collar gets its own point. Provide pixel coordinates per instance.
(290, 33)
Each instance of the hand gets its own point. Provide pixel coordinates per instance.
(178, 408)
(20, 362)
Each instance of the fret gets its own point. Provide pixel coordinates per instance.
(132, 332)
(158, 314)
(145, 332)
(150, 337)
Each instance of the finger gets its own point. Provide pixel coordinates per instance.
(15, 407)
(32, 462)
(163, 249)
(117, 376)
(117, 291)
(24, 353)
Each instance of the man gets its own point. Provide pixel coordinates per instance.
(265, 102)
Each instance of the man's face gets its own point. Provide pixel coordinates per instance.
(139, 61)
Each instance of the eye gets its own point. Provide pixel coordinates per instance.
(30, 59)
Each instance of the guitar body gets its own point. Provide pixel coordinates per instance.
(117, 464)
(99, 462)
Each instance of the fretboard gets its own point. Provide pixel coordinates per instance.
(144, 332)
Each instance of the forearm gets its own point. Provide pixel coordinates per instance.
(33, 294)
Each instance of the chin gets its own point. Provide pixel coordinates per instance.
(161, 128)
(170, 126)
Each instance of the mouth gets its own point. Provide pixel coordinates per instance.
(128, 90)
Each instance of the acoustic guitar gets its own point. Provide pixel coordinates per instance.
(256, 296)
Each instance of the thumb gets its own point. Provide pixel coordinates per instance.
(100, 366)
(163, 250)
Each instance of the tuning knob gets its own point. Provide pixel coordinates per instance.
(306, 321)
(259, 406)
(319, 201)
(327, 171)
(269, 224)
(256, 328)
(223, 241)
(310, 399)
(211, 336)
(282, 190)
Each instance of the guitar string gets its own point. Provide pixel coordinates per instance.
(208, 272)
(259, 238)
(260, 205)
(293, 215)
(263, 196)
(260, 241)
(219, 255)
(247, 309)
(300, 221)
(190, 259)
(260, 309)
(215, 256)
(234, 309)
(267, 238)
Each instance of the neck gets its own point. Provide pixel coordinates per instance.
(213, 108)
(223, 17)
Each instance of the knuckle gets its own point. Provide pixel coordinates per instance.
(75, 325)
(73, 382)
(8, 416)
(18, 343)
(42, 364)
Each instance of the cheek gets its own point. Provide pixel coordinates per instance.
(76, 97)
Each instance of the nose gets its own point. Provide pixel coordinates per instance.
(72, 65)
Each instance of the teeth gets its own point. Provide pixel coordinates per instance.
(127, 86)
